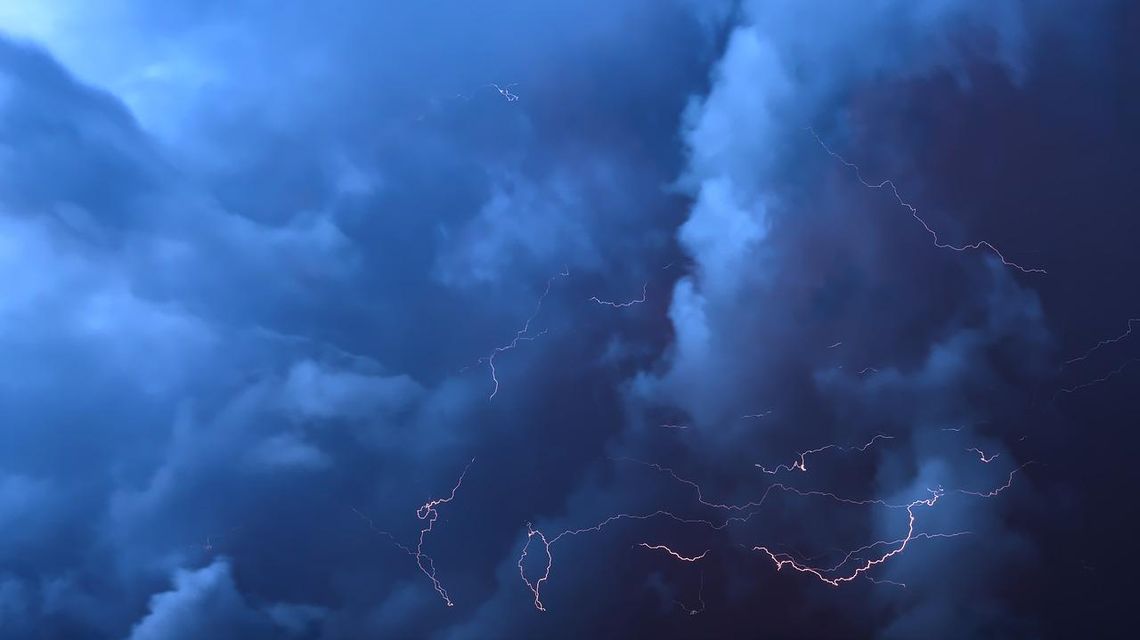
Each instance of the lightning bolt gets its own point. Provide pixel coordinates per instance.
(1105, 378)
(622, 305)
(890, 582)
(888, 184)
(801, 464)
(784, 560)
(982, 455)
(505, 91)
(1105, 342)
(676, 555)
(762, 414)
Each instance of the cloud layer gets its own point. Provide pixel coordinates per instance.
(258, 262)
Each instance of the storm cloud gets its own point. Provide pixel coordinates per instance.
(277, 274)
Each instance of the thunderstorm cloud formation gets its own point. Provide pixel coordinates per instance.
(517, 319)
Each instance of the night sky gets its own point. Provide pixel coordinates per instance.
(546, 319)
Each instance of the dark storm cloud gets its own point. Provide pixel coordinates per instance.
(253, 254)
(241, 303)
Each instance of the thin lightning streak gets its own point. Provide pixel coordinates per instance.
(999, 489)
(762, 414)
(746, 511)
(371, 525)
(1105, 378)
(918, 536)
(982, 455)
(764, 496)
(522, 335)
(914, 212)
(1105, 342)
(666, 549)
(801, 464)
(890, 582)
(622, 305)
(865, 370)
(835, 345)
(674, 426)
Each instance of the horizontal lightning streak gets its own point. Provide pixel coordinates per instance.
(666, 549)
(622, 305)
(801, 464)
(783, 560)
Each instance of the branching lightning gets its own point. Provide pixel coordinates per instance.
(835, 575)
(505, 91)
(982, 455)
(801, 463)
(428, 512)
(522, 335)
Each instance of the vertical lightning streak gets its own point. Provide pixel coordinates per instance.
(429, 513)
(888, 184)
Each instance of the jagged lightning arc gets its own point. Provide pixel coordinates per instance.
(429, 513)
(801, 463)
(1105, 342)
(522, 335)
(622, 305)
(888, 184)
(744, 512)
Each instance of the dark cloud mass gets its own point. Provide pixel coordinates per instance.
(276, 274)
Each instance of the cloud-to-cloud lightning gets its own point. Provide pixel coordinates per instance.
(428, 512)
(890, 185)
(622, 305)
